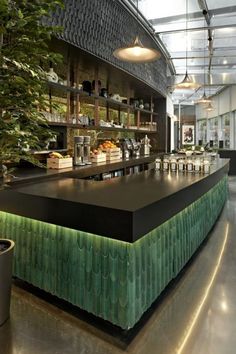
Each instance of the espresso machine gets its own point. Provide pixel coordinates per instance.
(79, 151)
(82, 150)
(135, 148)
(126, 146)
(86, 159)
(145, 146)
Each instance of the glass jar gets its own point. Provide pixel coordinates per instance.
(173, 165)
(197, 165)
(181, 165)
(189, 165)
(158, 164)
(206, 166)
(165, 165)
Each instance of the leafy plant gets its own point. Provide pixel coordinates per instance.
(24, 51)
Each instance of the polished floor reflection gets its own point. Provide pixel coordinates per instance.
(197, 315)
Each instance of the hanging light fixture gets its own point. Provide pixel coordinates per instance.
(187, 82)
(136, 52)
(204, 98)
(209, 108)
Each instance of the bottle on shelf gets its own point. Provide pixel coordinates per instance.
(145, 146)
(52, 76)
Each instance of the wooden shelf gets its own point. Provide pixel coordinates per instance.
(146, 111)
(94, 127)
(104, 102)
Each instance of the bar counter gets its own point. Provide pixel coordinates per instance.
(111, 247)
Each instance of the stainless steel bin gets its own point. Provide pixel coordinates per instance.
(6, 257)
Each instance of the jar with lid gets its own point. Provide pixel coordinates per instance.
(189, 165)
(206, 166)
(181, 165)
(165, 165)
(197, 165)
(158, 164)
(173, 164)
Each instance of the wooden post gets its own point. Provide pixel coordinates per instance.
(96, 103)
(68, 84)
(77, 106)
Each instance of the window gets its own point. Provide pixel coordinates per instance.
(226, 130)
(213, 131)
(202, 131)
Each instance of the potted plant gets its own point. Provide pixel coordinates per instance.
(24, 51)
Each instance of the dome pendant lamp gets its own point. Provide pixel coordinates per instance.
(136, 52)
(210, 107)
(204, 98)
(187, 82)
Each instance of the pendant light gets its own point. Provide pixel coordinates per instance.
(204, 98)
(136, 52)
(187, 82)
(209, 108)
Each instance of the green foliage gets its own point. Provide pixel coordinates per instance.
(24, 51)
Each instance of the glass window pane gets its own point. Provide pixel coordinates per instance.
(213, 131)
(226, 130)
(202, 131)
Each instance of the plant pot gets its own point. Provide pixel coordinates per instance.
(6, 258)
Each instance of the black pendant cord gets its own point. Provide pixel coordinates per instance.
(204, 79)
(137, 25)
(186, 35)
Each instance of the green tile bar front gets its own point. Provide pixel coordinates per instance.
(112, 279)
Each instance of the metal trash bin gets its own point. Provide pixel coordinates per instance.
(6, 257)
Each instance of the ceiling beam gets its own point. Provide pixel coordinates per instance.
(194, 29)
(193, 15)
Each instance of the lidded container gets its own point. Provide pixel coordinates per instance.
(181, 165)
(206, 166)
(165, 165)
(189, 165)
(197, 165)
(173, 164)
(158, 164)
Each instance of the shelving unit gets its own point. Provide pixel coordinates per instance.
(100, 101)
(94, 127)
(75, 104)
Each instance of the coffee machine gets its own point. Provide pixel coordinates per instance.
(135, 148)
(82, 150)
(126, 146)
(86, 159)
(79, 151)
(145, 146)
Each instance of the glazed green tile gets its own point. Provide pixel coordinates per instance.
(112, 279)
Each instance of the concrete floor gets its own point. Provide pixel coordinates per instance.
(197, 315)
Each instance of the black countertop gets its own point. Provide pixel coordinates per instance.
(124, 208)
(38, 174)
